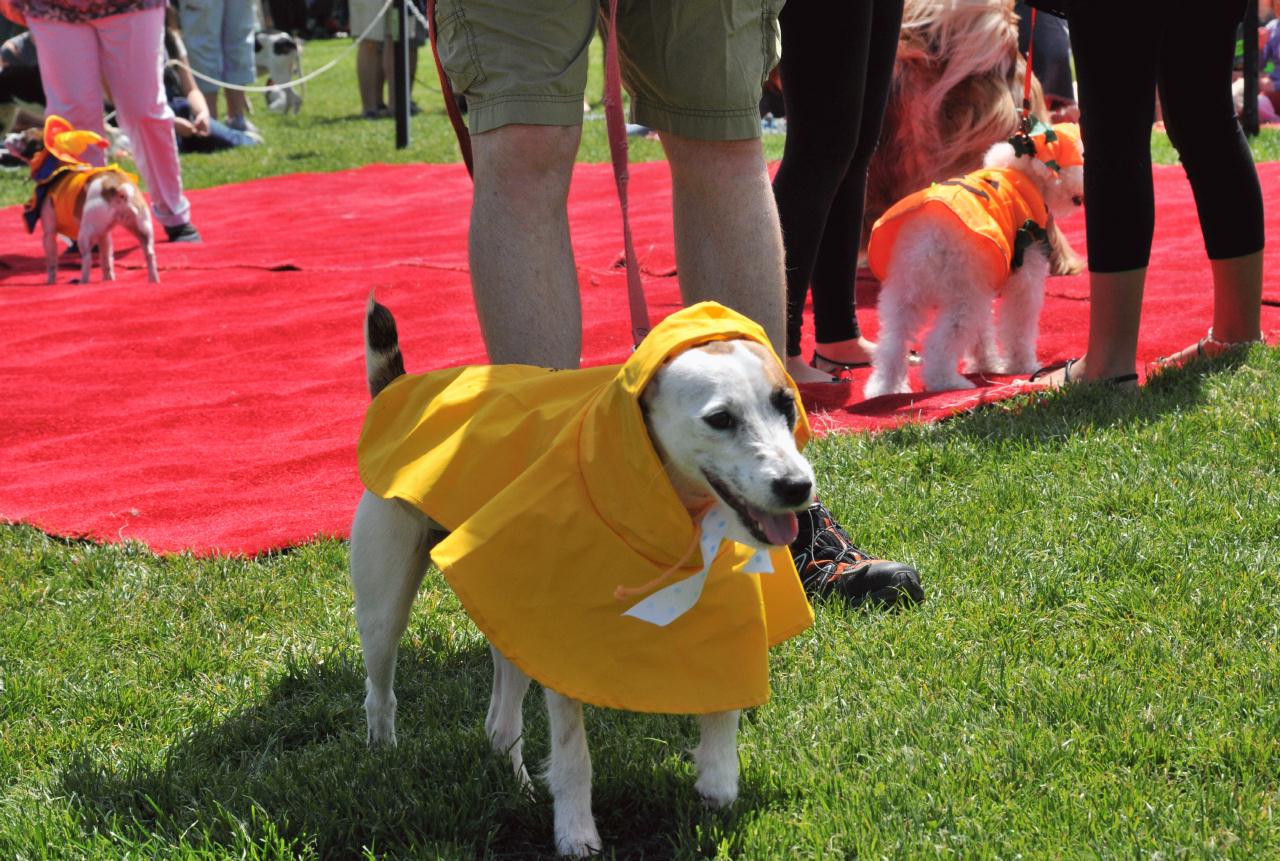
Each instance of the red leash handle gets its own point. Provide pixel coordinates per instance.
(618, 151)
(1026, 76)
(450, 103)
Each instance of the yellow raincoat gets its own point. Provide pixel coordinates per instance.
(554, 497)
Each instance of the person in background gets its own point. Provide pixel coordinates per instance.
(84, 42)
(196, 131)
(1050, 61)
(837, 70)
(1188, 57)
(20, 90)
(219, 35)
(375, 58)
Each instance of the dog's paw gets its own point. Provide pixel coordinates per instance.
(381, 716)
(947, 383)
(717, 793)
(875, 388)
(578, 842)
(1019, 365)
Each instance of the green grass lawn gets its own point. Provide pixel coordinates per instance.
(1095, 674)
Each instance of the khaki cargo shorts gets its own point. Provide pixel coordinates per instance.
(693, 67)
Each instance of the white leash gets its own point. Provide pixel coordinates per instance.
(273, 88)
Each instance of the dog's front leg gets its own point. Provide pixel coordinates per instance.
(505, 723)
(717, 758)
(49, 224)
(569, 778)
(1019, 317)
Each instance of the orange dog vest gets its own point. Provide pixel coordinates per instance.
(1001, 209)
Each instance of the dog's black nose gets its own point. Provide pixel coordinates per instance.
(791, 492)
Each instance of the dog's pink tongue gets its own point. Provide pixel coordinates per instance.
(780, 529)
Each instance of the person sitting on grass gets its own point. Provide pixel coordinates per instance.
(195, 130)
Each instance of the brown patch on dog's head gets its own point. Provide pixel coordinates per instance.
(772, 370)
(716, 347)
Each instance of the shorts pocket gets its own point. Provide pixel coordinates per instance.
(456, 41)
(770, 36)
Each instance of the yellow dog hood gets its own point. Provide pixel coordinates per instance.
(554, 498)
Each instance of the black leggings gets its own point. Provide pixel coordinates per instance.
(1123, 52)
(837, 68)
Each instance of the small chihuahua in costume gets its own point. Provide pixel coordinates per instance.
(79, 200)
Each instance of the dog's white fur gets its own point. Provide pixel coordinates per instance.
(931, 269)
(391, 543)
(111, 201)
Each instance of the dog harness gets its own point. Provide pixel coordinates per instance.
(555, 498)
(62, 176)
(1001, 209)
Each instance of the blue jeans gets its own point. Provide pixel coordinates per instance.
(221, 136)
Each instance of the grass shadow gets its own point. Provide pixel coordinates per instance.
(293, 771)
(1055, 416)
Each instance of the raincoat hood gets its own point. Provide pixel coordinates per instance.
(555, 498)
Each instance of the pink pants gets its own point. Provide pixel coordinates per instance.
(128, 50)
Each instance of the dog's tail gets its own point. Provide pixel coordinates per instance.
(382, 359)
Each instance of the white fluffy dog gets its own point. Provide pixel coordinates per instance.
(954, 248)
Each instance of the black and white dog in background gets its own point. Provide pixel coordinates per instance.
(278, 55)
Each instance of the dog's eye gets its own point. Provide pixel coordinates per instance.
(785, 403)
(722, 420)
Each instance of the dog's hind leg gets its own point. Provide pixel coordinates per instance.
(146, 238)
(717, 758)
(505, 723)
(107, 256)
(899, 318)
(1019, 317)
(390, 545)
(569, 778)
(982, 356)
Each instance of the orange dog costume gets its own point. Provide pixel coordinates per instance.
(1001, 208)
(61, 176)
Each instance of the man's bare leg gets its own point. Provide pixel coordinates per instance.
(728, 242)
(522, 270)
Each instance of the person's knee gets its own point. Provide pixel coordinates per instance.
(694, 161)
(1208, 144)
(523, 162)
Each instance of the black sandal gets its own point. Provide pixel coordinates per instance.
(1065, 367)
(832, 366)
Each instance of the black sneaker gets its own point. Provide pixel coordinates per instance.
(183, 233)
(829, 565)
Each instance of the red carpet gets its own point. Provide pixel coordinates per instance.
(218, 411)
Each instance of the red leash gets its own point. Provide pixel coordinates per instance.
(1026, 76)
(617, 150)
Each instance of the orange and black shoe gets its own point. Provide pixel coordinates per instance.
(830, 565)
